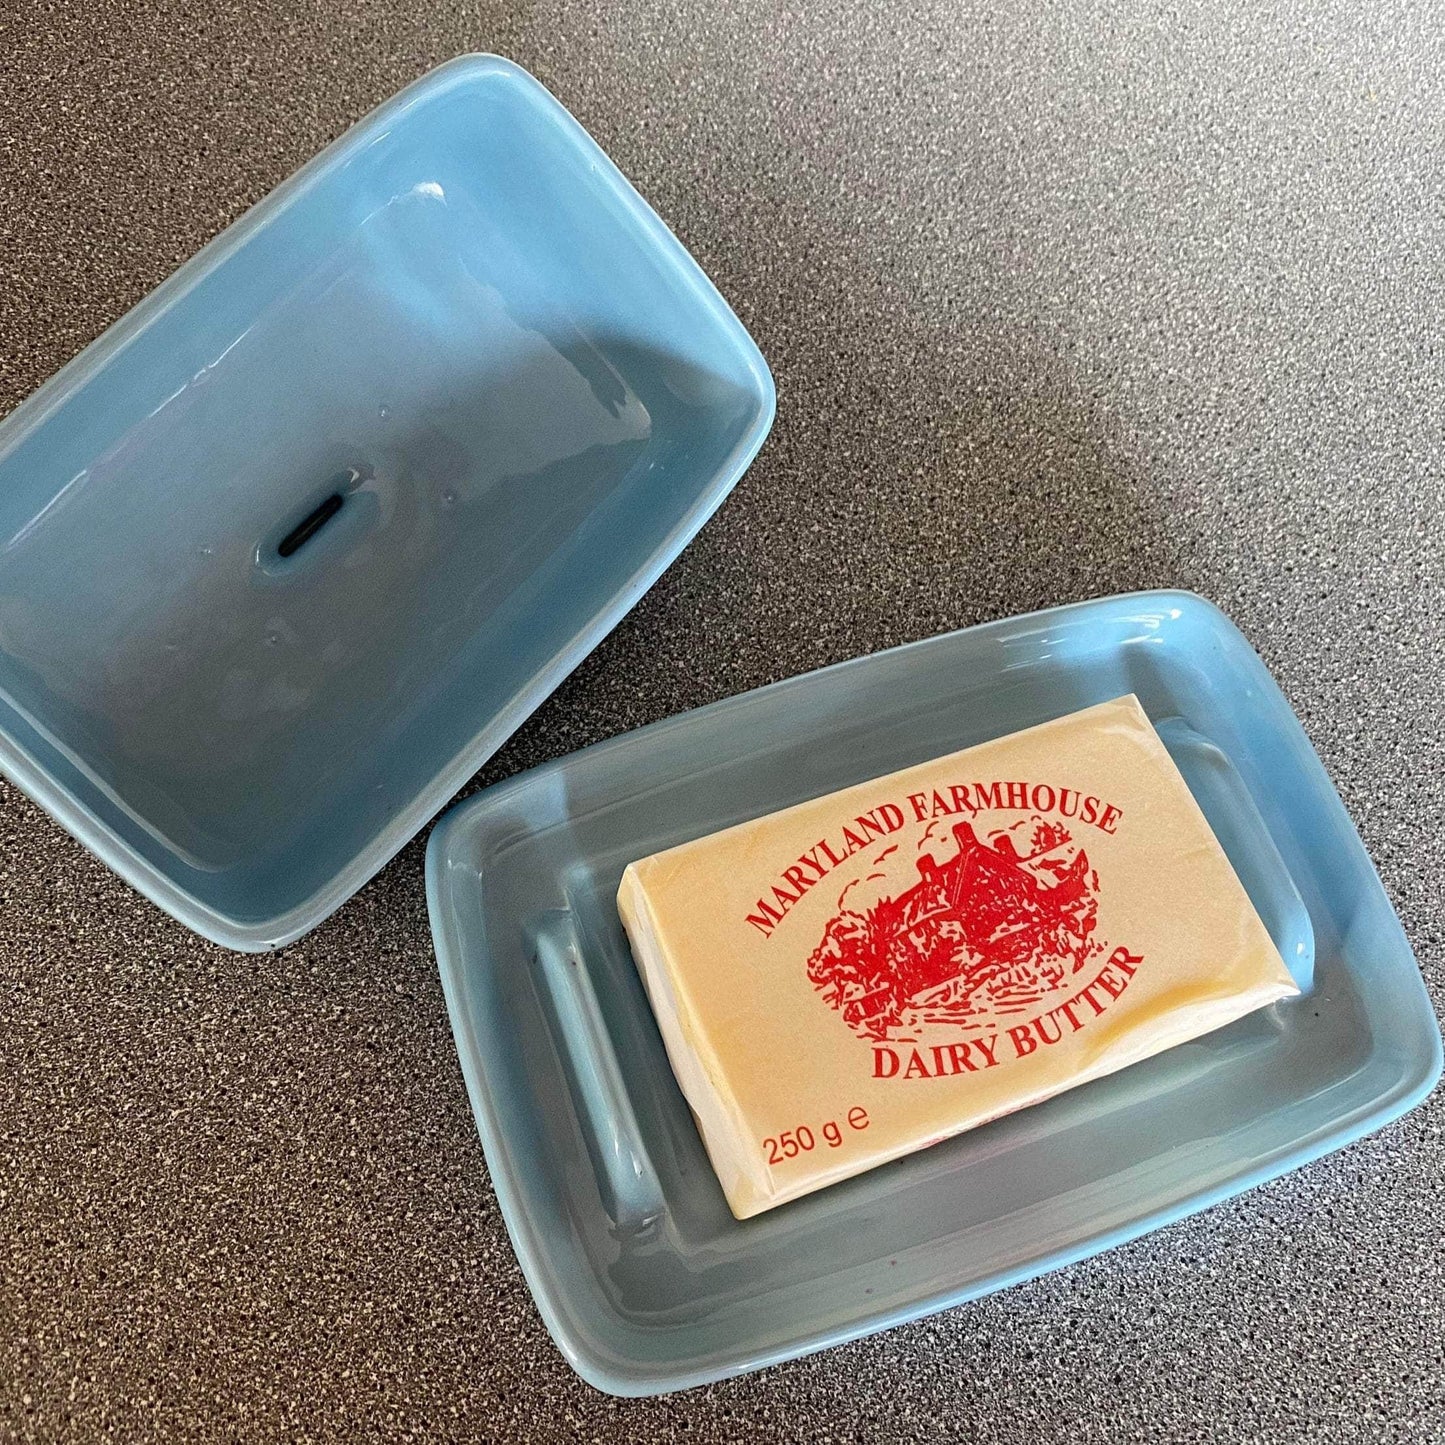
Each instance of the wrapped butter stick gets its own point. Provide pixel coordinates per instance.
(870, 972)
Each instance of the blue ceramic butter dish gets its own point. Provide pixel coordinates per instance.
(290, 551)
(640, 1271)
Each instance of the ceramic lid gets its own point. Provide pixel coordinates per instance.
(290, 551)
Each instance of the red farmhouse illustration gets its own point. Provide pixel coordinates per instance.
(990, 930)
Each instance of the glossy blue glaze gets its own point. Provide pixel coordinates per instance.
(464, 323)
(641, 1273)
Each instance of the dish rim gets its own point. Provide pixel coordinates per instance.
(618, 1375)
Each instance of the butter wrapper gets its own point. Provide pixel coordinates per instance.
(871, 972)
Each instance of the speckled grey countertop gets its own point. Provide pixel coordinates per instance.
(1061, 300)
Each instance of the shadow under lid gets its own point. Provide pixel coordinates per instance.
(288, 553)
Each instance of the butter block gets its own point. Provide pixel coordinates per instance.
(873, 971)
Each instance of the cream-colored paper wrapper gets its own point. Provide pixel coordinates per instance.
(862, 975)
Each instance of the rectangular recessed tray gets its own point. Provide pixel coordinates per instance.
(641, 1273)
(292, 549)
